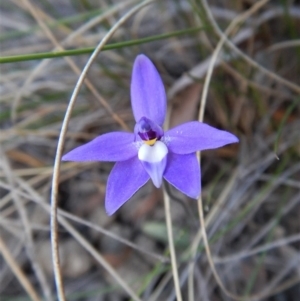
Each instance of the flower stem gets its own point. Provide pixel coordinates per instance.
(171, 245)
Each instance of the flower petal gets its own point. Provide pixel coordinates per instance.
(196, 136)
(124, 180)
(154, 160)
(116, 146)
(183, 172)
(148, 96)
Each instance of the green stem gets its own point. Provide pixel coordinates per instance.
(48, 55)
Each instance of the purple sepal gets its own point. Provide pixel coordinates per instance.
(116, 146)
(183, 172)
(196, 136)
(123, 182)
(148, 96)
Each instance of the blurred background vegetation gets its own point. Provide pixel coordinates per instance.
(250, 190)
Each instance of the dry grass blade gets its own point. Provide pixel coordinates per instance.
(99, 258)
(274, 244)
(18, 272)
(33, 196)
(230, 28)
(216, 53)
(198, 237)
(29, 242)
(74, 67)
(272, 75)
(73, 35)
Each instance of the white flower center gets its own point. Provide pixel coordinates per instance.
(154, 153)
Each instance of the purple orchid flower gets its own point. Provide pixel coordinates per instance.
(150, 152)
